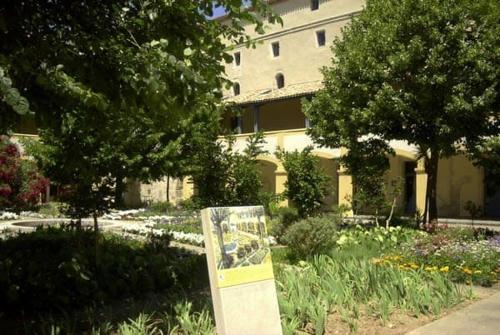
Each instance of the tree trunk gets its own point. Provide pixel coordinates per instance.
(119, 188)
(431, 168)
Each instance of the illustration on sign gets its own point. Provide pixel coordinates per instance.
(240, 244)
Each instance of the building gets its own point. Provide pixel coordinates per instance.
(269, 83)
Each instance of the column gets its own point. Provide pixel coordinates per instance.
(256, 117)
(239, 125)
(187, 188)
(420, 185)
(281, 178)
(345, 191)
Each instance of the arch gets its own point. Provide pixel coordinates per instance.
(409, 155)
(330, 166)
(325, 155)
(268, 167)
(271, 160)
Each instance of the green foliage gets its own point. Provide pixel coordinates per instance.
(225, 177)
(307, 183)
(311, 290)
(393, 78)
(51, 209)
(10, 96)
(160, 208)
(118, 90)
(312, 236)
(381, 238)
(55, 269)
(282, 218)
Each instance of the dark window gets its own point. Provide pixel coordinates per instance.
(237, 58)
(321, 38)
(276, 48)
(236, 89)
(314, 4)
(280, 80)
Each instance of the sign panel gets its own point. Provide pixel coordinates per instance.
(241, 270)
(241, 246)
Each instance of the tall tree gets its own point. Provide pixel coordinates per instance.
(120, 89)
(423, 71)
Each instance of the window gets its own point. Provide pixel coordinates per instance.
(314, 4)
(237, 58)
(280, 80)
(275, 46)
(321, 38)
(236, 89)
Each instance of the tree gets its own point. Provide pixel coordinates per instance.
(21, 184)
(307, 183)
(225, 177)
(122, 89)
(422, 71)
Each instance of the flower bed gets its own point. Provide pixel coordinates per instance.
(8, 216)
(466, 255)
(179, 236)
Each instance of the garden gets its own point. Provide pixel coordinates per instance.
(333, 276)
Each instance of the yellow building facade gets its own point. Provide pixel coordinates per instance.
(269, 83)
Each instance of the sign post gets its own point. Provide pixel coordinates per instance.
(241, 271)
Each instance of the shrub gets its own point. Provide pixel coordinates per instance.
(226, 177)
(55, 269)
(161, 207)
(283, 217)
(20, 182)
(306, 185)
(51, 209)
(312, 236)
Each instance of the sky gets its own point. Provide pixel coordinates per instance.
(219, 11)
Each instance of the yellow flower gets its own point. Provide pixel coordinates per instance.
(445, 269)
(414, 266)
(477, 272)
(467, 271)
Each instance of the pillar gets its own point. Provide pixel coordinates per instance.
(187, 188)
(420, 185)
(281, 178)
(345, 191)
(256, 117)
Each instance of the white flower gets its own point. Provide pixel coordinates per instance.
(9, 216)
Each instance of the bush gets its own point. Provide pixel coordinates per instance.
(161, 207)
(55, 269)
(306, 185)
(226, 177)
(312, 236)
(51, 209)
(20, 182)
(282, 218)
